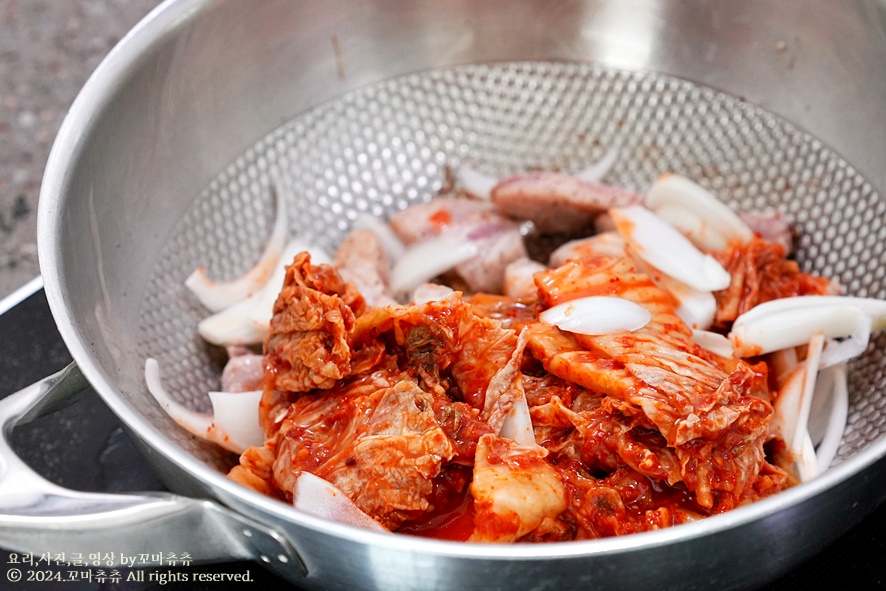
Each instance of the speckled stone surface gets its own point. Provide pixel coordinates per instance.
(48, 49)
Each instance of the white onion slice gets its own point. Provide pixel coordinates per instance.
(390, 242)
(873, 307)
(696, 308)
(708, 222)
(597, 315)
(805, 461)
(713, 342)
(760, 333)
(479, 184)
(666, 249)
(235, 415)
(233, 424)
(812, 361)
(595, 172)
(197, 423)
(318, 497)
(782, 363)
(234, 325)
(829, 414)
(854, 345)
(427, 259)
(792, 409)
(217, 296)
(517, 424)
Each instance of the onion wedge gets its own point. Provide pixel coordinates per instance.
(517, 424)
(662, 246)
(708, 222)
(425, 260)
(873, 307)
(856, 343)
(696, 308)
(790, 322)
(320, 498)
(792, 408)
(233, 424)
(217, 296)
(829, 413)
(713, 342)
(597, 315)
(233, 325)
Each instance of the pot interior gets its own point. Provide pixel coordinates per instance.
(380, 148)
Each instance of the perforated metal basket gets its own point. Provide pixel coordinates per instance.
(166, 159)
(380, 148)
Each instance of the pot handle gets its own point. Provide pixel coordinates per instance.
(39, 516)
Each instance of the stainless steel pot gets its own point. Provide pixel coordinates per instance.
(162, 165)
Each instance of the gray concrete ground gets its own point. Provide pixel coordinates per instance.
(48, 48)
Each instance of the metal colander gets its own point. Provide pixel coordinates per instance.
(383, 147)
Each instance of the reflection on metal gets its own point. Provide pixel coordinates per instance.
(39, 516)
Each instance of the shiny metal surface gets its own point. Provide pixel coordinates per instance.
(162, 162)
(35, 513)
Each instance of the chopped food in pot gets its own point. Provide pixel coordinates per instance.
(433, 379)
